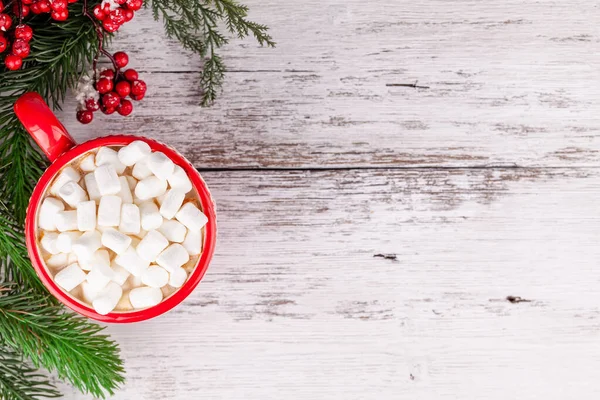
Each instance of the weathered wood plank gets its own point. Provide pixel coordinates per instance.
(296, 306)
(509, 83)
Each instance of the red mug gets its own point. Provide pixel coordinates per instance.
(61, 149)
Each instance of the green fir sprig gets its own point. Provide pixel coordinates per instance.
(195, 24)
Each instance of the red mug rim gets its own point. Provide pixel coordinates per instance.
(208, 207)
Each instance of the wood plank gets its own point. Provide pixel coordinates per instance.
(296, 306)
(509, 82)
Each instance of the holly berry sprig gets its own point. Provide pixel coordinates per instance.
(110, 91)
(22, 33)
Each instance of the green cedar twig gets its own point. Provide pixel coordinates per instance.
(62, 342)
(21, 382)
(194, 23)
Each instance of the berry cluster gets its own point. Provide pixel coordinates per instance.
(18, 40)
(111, 91)
(114, 13)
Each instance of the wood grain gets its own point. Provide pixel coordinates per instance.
(295, 305)
(510, 83)
(371, 253)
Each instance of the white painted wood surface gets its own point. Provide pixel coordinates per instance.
(295, 305)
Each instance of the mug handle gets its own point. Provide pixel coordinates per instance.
(43, 126)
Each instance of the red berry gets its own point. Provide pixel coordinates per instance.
(108, 73)
(23, 32)
(44, 6)
(120, 2)
(20, 48)
(111, 100)
(27, 2)
(13, 62)
(85, 116)
(59, 5)
(109, 26)
(123, 88)
(138, 88)
(92, 105)
(121, 58)
(125, 108)
(60, 15)
(35, 8)
(3, 43)
(136, 97)
(134, 4)
(104, 85)
(98, 13)
(5, 22)
(107, 110)
(24, 10)
(128, 14)
(117, 17)
(72, 1)
(131, 75)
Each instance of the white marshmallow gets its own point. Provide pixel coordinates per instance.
(68, 174)
(159, 199)
(100, 259)
(86, 245)
(179, 180)
(150, 187)
(66, 220)
(132, 262)
(125, 193)
(191, 216)
(107, 180)
(173, 230)
(131, 181)
(88, 163)
(161, 165)
(193, 242)
(140, 170)
(72, 193)
(115, 240)
(120, 274)
(71, 258)
(109, 210)
(89, 292)
(47, 214)
(173, 257)
(134, 281)
(130, 219)
(96, 279)
(58, 260)
(156, 277)
(69, 277)
(151, 218)
(48, 242)
(134, 152)
(177, 277)
(144, 297)
(86, 216)
(92, 186)
(171, 203)
(151, 246)
(107, 299)
(65, 241)
(107, 156)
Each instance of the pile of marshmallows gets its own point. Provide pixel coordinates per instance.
(132, 217)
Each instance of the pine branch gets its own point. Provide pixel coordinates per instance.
(194, 24)
(59, 341)
(21, 382)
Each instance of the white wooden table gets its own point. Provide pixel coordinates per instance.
(483, 185)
